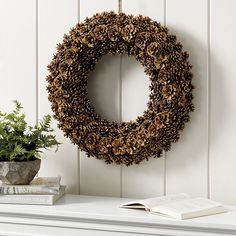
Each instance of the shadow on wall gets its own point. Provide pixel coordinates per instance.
(190, 154)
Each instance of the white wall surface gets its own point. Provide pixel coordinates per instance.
(202, 163)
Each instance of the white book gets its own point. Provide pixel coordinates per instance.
(179, 206)
(32, 199)
(39, 185)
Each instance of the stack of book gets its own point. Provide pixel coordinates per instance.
(41, 191)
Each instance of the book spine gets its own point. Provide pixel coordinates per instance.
(28, 190)
(26, 199)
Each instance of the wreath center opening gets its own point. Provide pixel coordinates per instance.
(109, 88)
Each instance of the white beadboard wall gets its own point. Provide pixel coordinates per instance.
(202, 163)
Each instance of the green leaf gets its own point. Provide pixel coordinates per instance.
(20, 141)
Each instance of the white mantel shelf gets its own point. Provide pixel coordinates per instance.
(89, 215)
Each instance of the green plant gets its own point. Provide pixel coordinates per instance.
(21, 142)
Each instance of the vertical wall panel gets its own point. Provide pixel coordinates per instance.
(223, 97)
(186, 163)
(18, 55)
(147, 178)
(56, 17)
(96, 177)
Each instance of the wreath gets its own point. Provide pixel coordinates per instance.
(170, 100)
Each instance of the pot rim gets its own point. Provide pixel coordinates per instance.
(37, 159)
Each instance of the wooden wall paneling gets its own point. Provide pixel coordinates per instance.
(55, 18)
(96, 177)
(222, 101)
(147, 178)
(18, 56)
(187, 162)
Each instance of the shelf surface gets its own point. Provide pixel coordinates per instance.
(106, 211)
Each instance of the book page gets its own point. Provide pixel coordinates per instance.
(185, 206)
(156, 201)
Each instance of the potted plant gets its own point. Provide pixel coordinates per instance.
(21, 146)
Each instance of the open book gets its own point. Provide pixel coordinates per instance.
(180, 206)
